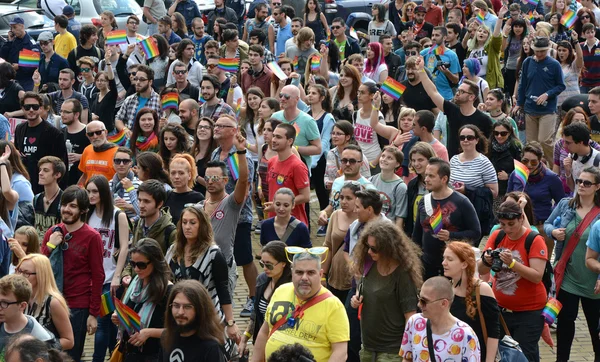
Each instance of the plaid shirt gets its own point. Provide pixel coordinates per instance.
(216, 111)
(269, 57)
(129, 109)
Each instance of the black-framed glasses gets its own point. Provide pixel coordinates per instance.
(509, 215)
(468, 137)
(284, 95)
(412, 53)
(501, 133)
(97, 133)
(44, 43)
(24, 273)
(269, 266)
(349, 161)
(211, 66)
(4, 304)
(180, 72)
(140, 79)
(66, 112)
(205, 127)
(140, 264)
(585, 183)
(121, 161)
(224, 126)
(29, 107)
(424, 301)
(461, 91)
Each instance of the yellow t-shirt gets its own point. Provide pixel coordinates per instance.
(323, 324)
(64, 43)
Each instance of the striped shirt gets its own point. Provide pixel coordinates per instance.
(475, 173)
(590, 76)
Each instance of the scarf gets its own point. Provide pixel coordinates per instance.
(139, 295)
(497, 147)
(149, 143)
(537, 175)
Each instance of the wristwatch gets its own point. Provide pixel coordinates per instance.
(230, 323)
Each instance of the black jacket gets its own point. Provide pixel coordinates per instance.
(393, 63)
(412, 191)
(504, 161)
(483, 202)
(352, 48)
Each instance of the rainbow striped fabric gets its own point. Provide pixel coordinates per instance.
(230, 65)
(116, 37)
(315, 63)
(276, 69)
(295, 63)
(480, 17)
(392, 88)
(29, 58)
(551, 310)
(233, 163)
(129, 319)
(150, 47)
(568, 19)
(533, 2)
(437, 50)
(118, 139)
(521, 172)
(353, 33)
(170, 101)
(106, 304)
(436, 220)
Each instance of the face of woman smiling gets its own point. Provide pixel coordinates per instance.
(203, 133)
(254, 101)
(147, 123)
(501, 134)
(419, 163)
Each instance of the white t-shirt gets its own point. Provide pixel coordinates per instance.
(135, 57)
(108, 244)
(366, 137)
(374, 76)
(578, 167)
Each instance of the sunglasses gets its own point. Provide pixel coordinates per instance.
(527, 161)
(284, 95)
(121, 161)
(335, 27)
(97, 133)
(180, 72)
(469, 137)
(213, 178)
(411, 53)
(424, 301)
(373, 249)
(501, 133)
(585, 183)
(319, 250)
(64, 246)
(269, 266)
(44, 43)
(140, 264)
(509, 215)
(29, 107)
(585, 17)
(211, 66)
(85, 70)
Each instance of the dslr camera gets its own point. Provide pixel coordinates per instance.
(496, 261)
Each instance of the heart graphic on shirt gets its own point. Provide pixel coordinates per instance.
(32, 140)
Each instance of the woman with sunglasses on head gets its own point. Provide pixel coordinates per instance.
(276, 271)
(47, 305)
(342, 135)
(182, 170)
(570, 57)
(144, 133)
(147, 295)
(173, 140)
(344, 95)
(517, 283)
(194, 255)
(574, 280)
(505, 148)
(524, 201)
(204, 145)
(543, 187)
(391, 271)
(284, 226)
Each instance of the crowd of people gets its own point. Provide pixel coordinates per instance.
(137, 179)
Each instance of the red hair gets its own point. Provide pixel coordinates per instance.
(465, 253)
(377, 48)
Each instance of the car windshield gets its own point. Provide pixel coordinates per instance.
(32, 19)
(118, 7)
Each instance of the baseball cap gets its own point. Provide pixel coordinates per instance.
(17, 20)
(420, 9)
(45, 36)
(68, 10)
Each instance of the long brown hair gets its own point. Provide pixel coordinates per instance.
(391, 244)
(465, 253)
(576, 200)
(352, 72)
(205, 234)
(213, 143)
(33, 241)
(159, 279)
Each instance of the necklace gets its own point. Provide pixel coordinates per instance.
(48, 201)
(496, 115)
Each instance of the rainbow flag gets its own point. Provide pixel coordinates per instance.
(150, 47)
(233, 163)
(480, 17)
(315, 63)
(436, 220)
(129, 319)
(230, 65)
(551, 310)
(353, 33)
(170, 100)
(436, 50)
(568, 19)
(295, 63)
(276, 69)
(29, 58)
(521, 172)
(533, 2)
(201, 101)
(140, 37)
(530, 16)
(116, 37)
(392, 88)
(118, 139)
(238, 108)
(106, 304)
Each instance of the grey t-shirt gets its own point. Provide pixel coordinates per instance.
(303, 56)
(156, 7)
(32, 327)
(393, 196)
(224, 220)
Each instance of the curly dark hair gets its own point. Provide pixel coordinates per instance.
(182, 142)
(292, 353)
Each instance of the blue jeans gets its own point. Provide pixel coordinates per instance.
(106, 334)
(78, 320)
(355, 338)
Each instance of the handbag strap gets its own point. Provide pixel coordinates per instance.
(479, 312)
(430, 342)
(300, 310)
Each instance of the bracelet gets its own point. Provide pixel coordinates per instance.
(242, 152)
(130, 189)
(231, 87)
(375, 108)
(51, 246)
(247, 334)
(248, 144)
(372, 165)
(512, 264)
(323, 279)
(569, 175)
(296, 147)
(37, 84)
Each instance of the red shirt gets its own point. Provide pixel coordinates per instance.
(261, 80)
(83, 273)
(291, 173)
(434, 15)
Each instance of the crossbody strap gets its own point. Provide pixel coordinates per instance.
(479, 312)
(430, 342)
(300, 310)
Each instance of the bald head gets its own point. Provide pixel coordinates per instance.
(94, 126)
(96, 132)
(289, 97)
(440, 287)
(190, 104)
(291, 90)
(188, 110)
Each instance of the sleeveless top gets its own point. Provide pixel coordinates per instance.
(571, 78)
(262, 169)
(42, 314)
(317, 28)
(341, 113)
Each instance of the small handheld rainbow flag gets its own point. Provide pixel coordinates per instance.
(551, 310)
(353, 33)
(150, 47)
(568, 19)
(118, 139)
(116, 37)
(276, 69)
(106, 304)
(436, 49)
(521, 172)
(29, 58)
(129, 319)
(234, 166)
(436, 220)
(170, 100)
(238, 108)
(201, 101)
(392, 88)
(230, 65)
(533, 2)
(480, 17)
(530, 16)
(295, 63)
(315, 63)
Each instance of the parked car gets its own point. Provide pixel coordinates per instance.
(35, 21)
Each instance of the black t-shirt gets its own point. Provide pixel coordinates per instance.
(31, 144)
(190, 91)
(45, 219)
(416, 98)
(456, 120)
(9, 97)
(79, 141)
(461, 53)
(595, 127)
(176, 202)
(193, 349)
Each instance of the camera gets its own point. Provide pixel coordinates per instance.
(496, 261)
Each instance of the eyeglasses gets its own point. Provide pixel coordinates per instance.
(211, 66)
(411, 53)
(468, 137)
(508, 215)
(349, 161)
(319, 250)
(180, 72)
(85, 70)
(223, 126)
(44, 43)
(186, 307)
(140, 265)
(285, 95)
(276, 4)
(373, 249)
(424, 301)
(269, 266)
(585, 17)
(4, 305)
(527, 161)
(29, 107)
(214, 178)
(338, 134)
(121, 161)
(205, 127)
(460, 91)
(335, 27)
(97, 133)
(133, 73)
(24, 273)
(501, 133)
(140, 79)
(66, 112)
(585, 183)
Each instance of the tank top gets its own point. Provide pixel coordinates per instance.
(42, 314)
(317, 27)
(262, 169)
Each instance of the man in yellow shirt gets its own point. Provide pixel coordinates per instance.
(313, 316)
(64, 42)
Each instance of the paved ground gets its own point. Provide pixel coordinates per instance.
(581, 350)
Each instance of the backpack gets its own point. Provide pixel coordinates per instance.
(548, 271)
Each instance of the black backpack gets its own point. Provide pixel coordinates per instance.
(548, 271)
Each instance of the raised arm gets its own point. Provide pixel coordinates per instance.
(428, 85)
(8, 193)
(241, 186)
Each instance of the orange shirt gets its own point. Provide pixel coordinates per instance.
(97, 163)
(512, 291)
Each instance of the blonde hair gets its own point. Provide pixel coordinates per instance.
(187, 160)
(407, 112)
(33, 241)
(46, 285)
(303, 35)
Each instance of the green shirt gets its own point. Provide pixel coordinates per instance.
(578, 279)
(306, 131)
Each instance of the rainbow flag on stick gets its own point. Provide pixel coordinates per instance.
(170, 100)
(230, 65)
(150, 47)
(436, 220)
(353, 33)
(392, 88)
(276, 69)
(29, 58)
(295, 63)
(116, 37)
(568, 19)
(106, 304)
(233, 163)
(118, 139)
(315, 63)
(533, 2)
(480, 17)
(436, 50)
(521, 172)
(129, 319)
(530, 16)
